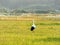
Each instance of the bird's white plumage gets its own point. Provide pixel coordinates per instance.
(33, 25)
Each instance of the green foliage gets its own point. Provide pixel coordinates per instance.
(3, 11)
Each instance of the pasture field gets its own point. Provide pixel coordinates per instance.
(16, 31)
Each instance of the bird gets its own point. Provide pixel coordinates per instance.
(33, 26)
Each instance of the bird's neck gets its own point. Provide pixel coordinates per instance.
(33, 23)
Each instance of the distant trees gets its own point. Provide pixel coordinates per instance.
(38, 11)
(20, 11)
(16, 11)
(3, 11)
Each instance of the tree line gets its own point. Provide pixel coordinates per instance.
(18, 11)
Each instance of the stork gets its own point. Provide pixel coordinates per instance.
(33, 26)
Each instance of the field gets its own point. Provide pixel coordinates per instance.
(15, 30)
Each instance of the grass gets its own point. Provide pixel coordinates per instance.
(17, 32)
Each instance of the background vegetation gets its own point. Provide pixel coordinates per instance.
(16, 31)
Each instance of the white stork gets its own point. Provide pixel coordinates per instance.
(33, 26)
